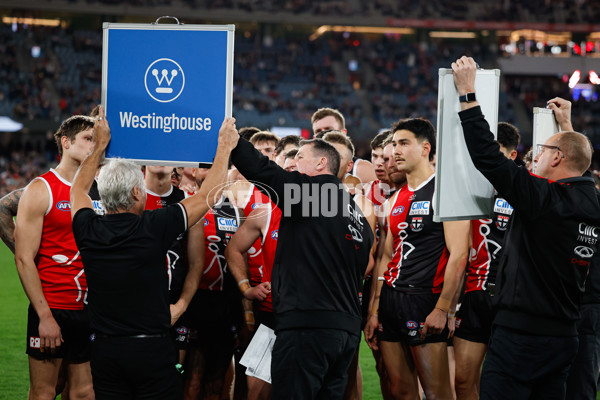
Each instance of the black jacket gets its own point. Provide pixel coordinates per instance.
(551, 240)
(322, 252)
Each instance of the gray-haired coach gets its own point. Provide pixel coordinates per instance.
(124, 257)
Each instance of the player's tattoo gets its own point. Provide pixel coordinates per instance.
(8, 209)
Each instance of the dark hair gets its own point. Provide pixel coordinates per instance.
(421, 128)
(247, 132)
(323, 149)
(291, 154)
(339, 138)
(380, 139)
(290, 139)
(508, 136)
(71, 127)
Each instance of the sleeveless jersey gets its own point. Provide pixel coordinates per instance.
(488, 239)
(255, 257)
(58, 260)
(176, 255)
(419, 255)
(220, 224)
(269, 247)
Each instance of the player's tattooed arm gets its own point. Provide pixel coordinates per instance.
(9, 205)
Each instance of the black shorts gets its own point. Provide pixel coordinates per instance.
(402, 316)
(210, 321)
(180, 332)
(75, 330)
(474, 317)
(264, 317)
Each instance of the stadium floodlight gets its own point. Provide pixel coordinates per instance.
(594, 78)
(574, 78)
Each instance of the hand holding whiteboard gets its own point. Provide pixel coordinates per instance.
(461, 191)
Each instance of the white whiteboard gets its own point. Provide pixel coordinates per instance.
(461, 191)
(544, 126)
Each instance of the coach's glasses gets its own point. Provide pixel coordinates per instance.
(542, 147)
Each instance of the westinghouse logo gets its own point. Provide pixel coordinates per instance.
(164, 80)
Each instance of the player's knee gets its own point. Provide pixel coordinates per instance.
(82, 392)
(42, 391)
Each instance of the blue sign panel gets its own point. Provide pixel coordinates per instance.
(166, 90)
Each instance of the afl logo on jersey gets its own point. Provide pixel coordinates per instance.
(416, 225)
(206, 222)
(275, 234)
(398, 210)
(419, 208)
(256, 205)
(182, 330)
(63, 205)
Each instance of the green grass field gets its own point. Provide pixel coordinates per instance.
(14, 376)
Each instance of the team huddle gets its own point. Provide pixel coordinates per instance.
(150, 282)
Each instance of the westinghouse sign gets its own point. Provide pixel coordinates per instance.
(166, 89)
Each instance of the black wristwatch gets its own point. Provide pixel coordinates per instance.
(467, 98)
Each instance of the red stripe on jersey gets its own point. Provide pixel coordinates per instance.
(269, 247)
(375, 193)
(255, 257)
(397, 220)
(58, 261)
(438, 279)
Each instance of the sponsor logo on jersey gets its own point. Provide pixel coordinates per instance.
(501, 206)
(417, 224)
(411, 324)
(412, 333)
(227, 224)
(584, 252)
(275, 234)
(502, 222)
(398, 210)
(64, 205)
(457, 323)
(182, 330)
(588, 233)
(356, 236)
(419, 208)
(34, 342)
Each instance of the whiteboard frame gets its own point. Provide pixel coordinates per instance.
(230, 29)
(543, 123)
(456, 174)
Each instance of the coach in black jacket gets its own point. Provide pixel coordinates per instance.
(323, 251)
(552, 237)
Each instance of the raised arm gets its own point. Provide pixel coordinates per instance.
(198, 205)
(87, 170)
(562, 113)
(8, 210)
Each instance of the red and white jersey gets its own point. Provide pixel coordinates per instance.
(375, 193)
(255, 257)
(269, 247)
(220, 224)
(419, 255)
(58, 261)
(488, 240)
